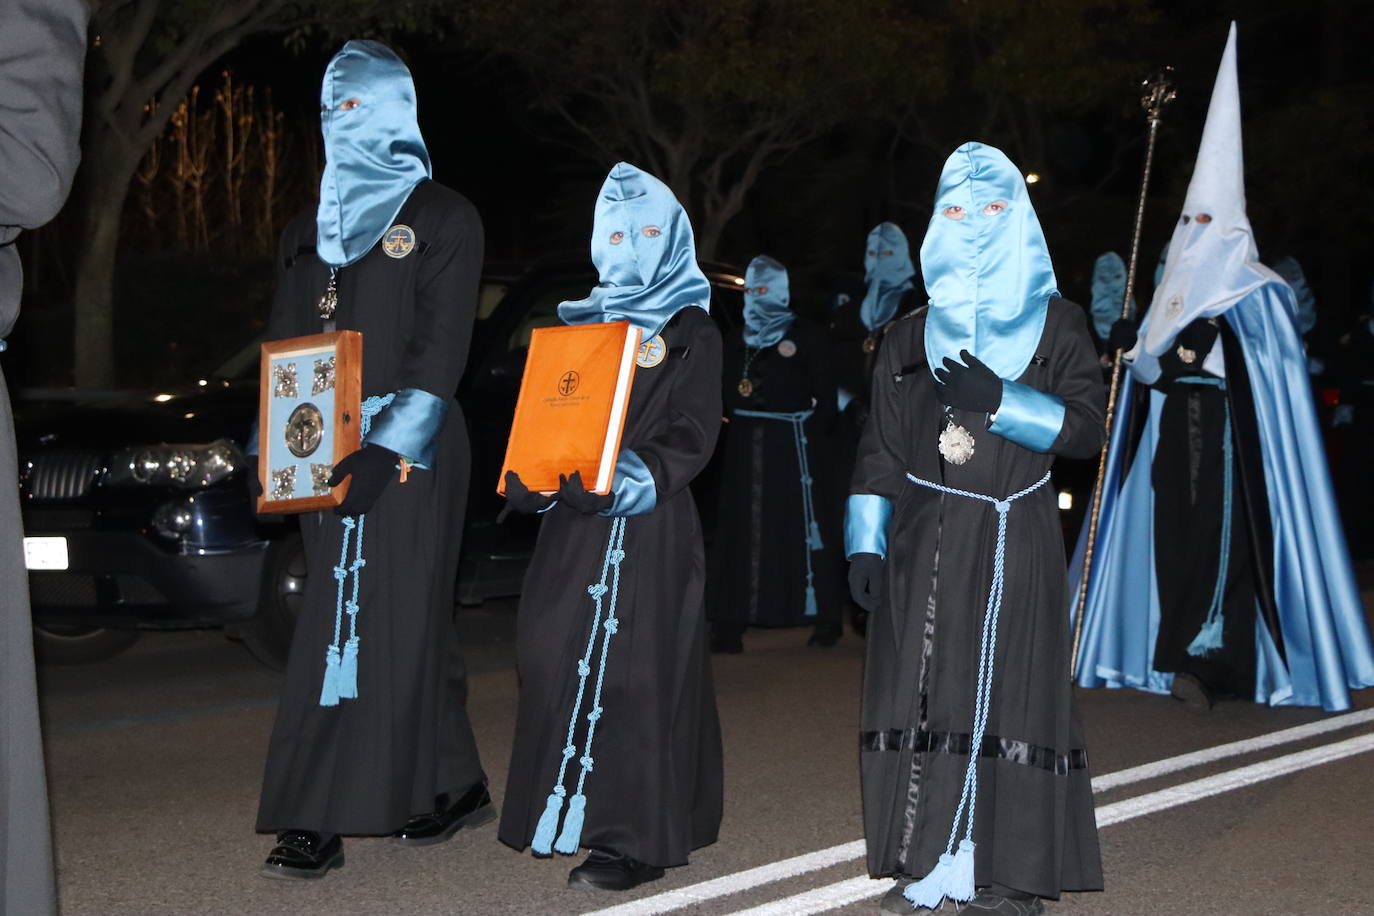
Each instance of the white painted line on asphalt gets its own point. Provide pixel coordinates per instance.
(739, 881)
(1235, 748)
(852, 890)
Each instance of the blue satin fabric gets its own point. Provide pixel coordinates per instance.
(887, 271)
(409, 426)
(1109, 288)
(989, 276)
(1029, 417)
(373, 154)
(645, 255)
(865, 524)
(632, 487)
(1291, 271)
(1326, 640)
(767, 315)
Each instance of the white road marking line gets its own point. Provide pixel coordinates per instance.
(852, 890)
(1235, 748)
(726, 885)
(739, 881)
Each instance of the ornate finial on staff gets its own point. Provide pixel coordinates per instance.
(1158, 92)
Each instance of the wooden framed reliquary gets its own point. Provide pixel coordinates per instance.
(308, 418)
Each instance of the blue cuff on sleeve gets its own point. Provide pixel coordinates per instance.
(1030, 418)
(409, 426)
(632, 487)
(251, 446)
(865, 524)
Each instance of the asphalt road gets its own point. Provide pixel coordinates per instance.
(155, 759)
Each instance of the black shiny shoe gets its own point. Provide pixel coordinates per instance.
(825, 635)
(473, 809)
(610, 871)
(301, 855)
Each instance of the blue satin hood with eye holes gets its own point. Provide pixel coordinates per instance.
(887, 271)
(989, 275)
(1109, 288)
(373, 154)
(645, 255)
(767, 314)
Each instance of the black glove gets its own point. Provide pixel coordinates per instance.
(1198, 336)
(520, 498)
(866, 580)
(1122, 336)
(972, 386)
(372, 467)
(575, 496)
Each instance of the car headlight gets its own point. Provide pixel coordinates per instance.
(184, 466)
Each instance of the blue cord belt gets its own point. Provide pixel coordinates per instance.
(811, 530)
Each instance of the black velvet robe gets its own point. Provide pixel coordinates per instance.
(758, 569)
(369, 764)
(1035, 829)
(655, 791)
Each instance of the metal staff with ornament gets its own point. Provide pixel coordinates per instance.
(1158, 92)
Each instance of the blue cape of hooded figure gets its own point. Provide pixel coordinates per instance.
(987, 269)
(767, 315)
(1213, 270)
(374, 154)
(1291, 271)
(645, 255)
(1109, 288)
(887, 271)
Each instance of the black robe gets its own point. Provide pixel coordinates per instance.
(1035, 828)
(759, 555)
(369, 764)
(43, 46)
(655, 791)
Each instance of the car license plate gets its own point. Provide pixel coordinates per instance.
(45, 553)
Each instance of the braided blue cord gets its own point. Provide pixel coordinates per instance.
(987, 646)
(615, 555)
(810, 532)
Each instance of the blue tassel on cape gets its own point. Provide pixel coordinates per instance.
(571, 837)
(814, 538)
(951, 877)
(548, 825)
(1208, 638)
(329, 691)
(348, 670)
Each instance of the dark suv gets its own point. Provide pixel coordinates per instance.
(136, 511)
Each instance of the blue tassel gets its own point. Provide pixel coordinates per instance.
(548, 825)
(814, 539)
(1208, 638)
(810, 601)
(929, 892)
(959, 881)
(348, 670)
(329, 691)
(571, 837)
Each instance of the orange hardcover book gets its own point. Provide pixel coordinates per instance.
(571, 410)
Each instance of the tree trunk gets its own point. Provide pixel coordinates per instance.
(105, 178)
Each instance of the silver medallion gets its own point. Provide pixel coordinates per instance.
(304, 430)
(956, 444)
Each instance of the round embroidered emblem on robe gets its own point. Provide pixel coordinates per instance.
(651, 352)
(399, 241)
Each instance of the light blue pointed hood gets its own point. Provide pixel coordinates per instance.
(887, 271)
(373, 153)
(645, 255)
(1109, 288)
(1291, 271)
(987, 271)
(767, 313)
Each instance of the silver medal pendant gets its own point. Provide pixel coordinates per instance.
(956, 444)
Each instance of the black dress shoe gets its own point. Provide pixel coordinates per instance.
(472, 809)
(301, 855)
(610, 871)
(1190, 689)
(826, 635)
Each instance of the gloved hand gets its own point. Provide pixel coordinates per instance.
(372, 468)
(1122, 336)
(520, 498)
(972, 386)
(1198, 336)
(574, 495)
(866, 580)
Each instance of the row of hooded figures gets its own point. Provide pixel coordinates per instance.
(1219, 565)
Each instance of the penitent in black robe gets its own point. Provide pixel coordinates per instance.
(368, 764)
(762, 542)
(1035, 829)
(655, 790)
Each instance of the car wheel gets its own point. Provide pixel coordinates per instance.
(268, 635)
(72, 644)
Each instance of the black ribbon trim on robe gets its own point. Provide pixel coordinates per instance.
(995, 746)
